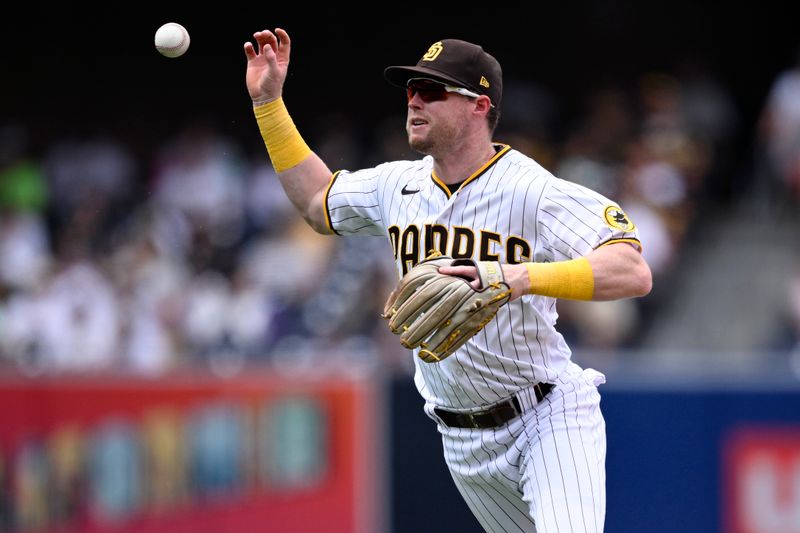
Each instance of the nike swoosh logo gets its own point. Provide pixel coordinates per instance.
(408, 191)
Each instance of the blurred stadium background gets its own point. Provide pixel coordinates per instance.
(178, 352)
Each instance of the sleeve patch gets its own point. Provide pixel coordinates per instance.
(617, 219)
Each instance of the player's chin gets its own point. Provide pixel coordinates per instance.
(419, 143)
(418, 137)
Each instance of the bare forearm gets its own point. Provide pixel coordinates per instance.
(306, 184)
(614, 271)
(619, 271)
(302, 173)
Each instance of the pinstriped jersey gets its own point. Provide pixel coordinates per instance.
(511, 210)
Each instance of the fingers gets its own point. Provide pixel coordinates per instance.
(278, 42)
(469, 273)
(285, 47)
(265, 39)
(249, 51)
(460, 271)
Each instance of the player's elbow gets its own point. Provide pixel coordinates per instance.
(315, 216)
(641, 280)
(638, 274)
(318, 226)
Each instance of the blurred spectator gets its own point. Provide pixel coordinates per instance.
(151, 285)
(205, 313)
(91, 180)
(595, 149)
(779, 135)
(268, 208)
(601, 325)
(794, 303)
(662, 246)
(349, 301)
(666, 132)
(200, 176)
(80, 325)
(249, 316)
(288, 269)
(226, 321)
(23, 186)
(657, 192)
(24, 249)
(789, 337)
(24, 240)
(71, 324)
(146, 344)
(713, 118)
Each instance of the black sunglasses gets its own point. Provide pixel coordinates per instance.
(433, 91)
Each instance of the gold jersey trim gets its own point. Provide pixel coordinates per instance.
(325, 202)
(636, 242)
(475, 175)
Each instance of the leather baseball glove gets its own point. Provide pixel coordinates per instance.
(439, 312)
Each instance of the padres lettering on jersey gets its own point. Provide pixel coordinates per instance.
(511, 210)
(408, 245)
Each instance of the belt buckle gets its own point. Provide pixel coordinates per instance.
(471, 418)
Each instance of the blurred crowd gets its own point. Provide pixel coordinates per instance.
(192, 257)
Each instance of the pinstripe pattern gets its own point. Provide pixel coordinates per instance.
(514, 197)
(569, 433)
(546, 466)
(544, 471)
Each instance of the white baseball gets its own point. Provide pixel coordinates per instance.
(172, 39)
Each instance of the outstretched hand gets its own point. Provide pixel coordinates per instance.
(267, 65)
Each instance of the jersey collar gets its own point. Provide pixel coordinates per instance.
(501, 151)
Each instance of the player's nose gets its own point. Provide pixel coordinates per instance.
(415, 102)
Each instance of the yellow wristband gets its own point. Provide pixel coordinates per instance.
(573, 280)
(285, 145)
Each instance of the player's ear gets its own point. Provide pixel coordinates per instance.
(483, 104)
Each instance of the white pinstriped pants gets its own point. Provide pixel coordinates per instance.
(544, 471)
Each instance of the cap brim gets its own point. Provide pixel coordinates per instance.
(400, 75)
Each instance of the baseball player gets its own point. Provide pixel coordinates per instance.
(523, 435)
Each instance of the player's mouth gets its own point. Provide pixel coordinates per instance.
(416, 124)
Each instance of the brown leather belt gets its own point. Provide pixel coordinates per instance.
(494, 416)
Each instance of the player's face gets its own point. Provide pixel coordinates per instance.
(437, 118)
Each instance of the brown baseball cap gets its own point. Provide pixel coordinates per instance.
(458, 63)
